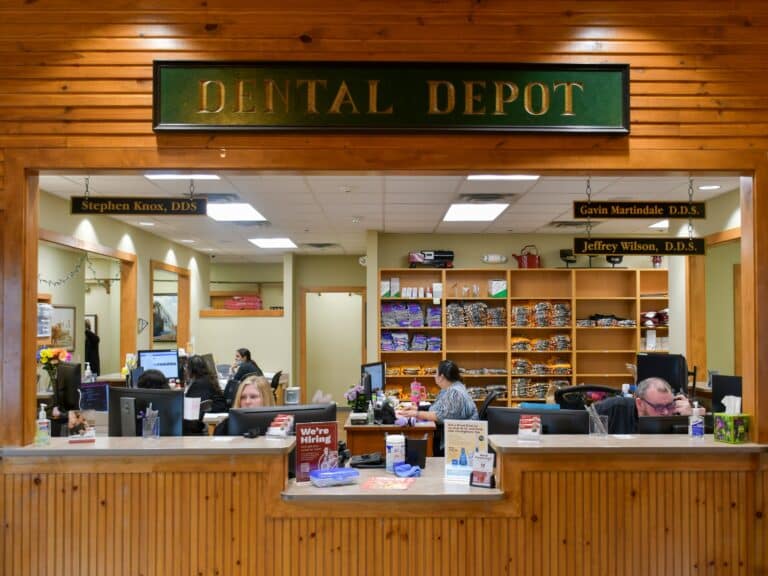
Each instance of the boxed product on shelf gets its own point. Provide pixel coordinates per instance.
(394, 287)
(384, 289)
(434, 344)
(400, 341)
(520, 366)
(419, 342)
(497, 288)
(520, 344)
(497, 317)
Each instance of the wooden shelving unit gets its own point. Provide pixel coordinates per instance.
(597, 354)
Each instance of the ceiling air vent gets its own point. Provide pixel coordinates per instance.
(220, 198)
(252, 223)
(320, 245)
(487, 198)
(573, 224)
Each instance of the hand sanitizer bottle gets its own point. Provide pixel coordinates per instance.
(43, 433)
(696, 421)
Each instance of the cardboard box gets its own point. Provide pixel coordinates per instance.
(497, 288)
(731, 428)
(384, 292)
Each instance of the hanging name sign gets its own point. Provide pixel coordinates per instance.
(607, 210)
(639, 246)
(138, 206)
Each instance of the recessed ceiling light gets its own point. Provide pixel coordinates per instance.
(272, 242)
(234, 212)
(503, 177)
(710, 187)
(187, 241)
(356, 219)
(207, 249)
(177, 176)
(660, 225)
(474, 212)
(146, 223)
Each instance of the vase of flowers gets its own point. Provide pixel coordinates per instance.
(49, 359)
(357, 399)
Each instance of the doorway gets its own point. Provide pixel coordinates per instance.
(332, 340)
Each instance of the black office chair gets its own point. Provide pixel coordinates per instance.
(579, 397)
(276, 383)
(489, 398)
(671, 367)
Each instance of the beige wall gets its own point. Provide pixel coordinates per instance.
(106, 306)
(721, 259)
(54, 216)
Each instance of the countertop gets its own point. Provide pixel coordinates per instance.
(166, 446)
(430, 487)
(638, 444)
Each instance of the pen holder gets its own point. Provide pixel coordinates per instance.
(150, 427)
(731, 428)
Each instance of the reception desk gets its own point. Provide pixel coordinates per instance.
(367, 438)
(564, 505)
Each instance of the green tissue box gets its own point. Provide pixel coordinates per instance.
(731, 428)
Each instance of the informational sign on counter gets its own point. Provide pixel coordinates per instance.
(138, 205)
(639, 246)
(611, 210)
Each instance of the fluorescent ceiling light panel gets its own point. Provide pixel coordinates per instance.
(188, 241)
(146, 224)
(174, 176)
(660, 225)
(234, 212)
(710, 187)
(272, 242)
(474, 212)
(480, 177)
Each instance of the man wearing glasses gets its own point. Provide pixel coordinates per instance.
(653, 397)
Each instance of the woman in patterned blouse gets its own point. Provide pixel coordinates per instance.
(452, 403)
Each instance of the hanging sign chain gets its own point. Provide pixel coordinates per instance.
(589, 211)
(690, 208)
(87, 186)
(191, 189)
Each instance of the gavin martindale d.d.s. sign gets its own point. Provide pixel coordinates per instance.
(401, 96)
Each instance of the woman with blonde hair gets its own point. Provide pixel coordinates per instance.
(254, 391)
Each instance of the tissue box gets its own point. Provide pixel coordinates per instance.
(731, 428)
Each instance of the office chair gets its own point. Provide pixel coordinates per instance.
(276, 383)
(490, 397)
(223, 370)
(579, 397)
(671, 367)
(205, 406)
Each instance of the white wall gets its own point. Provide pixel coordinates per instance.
(105, 304)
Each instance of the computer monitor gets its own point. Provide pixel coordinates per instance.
(376, 371)
(503, 420)
(167, 361)
(671, 367)
(662, 425)
(257, 420)
(125, 405)
(723, 386)
(67, 393)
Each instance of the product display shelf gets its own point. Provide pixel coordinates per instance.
(598, 354)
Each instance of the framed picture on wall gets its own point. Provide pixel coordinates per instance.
(93, 320)
(63, 327)
(165, 316)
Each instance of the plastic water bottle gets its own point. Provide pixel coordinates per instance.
(696, 422)
(370, 412)
(87, 374)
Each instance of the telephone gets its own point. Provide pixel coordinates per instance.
(372, 460)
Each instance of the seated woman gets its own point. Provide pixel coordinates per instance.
(204, 385)
(152, 379)
(452, 403)
(253, 392)
(243, 366)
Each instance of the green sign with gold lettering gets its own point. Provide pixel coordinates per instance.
(391, 97)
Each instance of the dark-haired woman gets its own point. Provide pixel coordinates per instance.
(203, 385)
(452, 403)
(244, 365)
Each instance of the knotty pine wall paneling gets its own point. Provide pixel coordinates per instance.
(75, 90)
